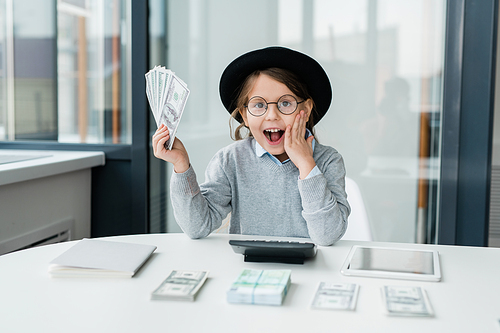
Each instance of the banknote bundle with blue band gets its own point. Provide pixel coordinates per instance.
(266, 287)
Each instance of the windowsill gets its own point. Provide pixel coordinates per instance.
(35, 164)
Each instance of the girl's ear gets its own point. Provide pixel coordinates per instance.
(308, 106)
(243, 115)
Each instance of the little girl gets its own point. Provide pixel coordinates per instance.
(278, 181)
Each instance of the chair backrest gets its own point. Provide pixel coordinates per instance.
(359, 225)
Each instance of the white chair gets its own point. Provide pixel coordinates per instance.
(359, 226)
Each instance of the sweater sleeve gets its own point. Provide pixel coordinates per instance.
(200, 209)
(324, 202)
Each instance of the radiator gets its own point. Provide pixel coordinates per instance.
(494, 231)
(50, 234)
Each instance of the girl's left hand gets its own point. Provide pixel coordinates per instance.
(298, 149)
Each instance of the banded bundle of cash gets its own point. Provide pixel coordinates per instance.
(406, 301)
(267, 287)
(336, 296)
(180, 285)
(167, 96)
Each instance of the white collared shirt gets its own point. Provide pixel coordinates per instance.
(259, 151)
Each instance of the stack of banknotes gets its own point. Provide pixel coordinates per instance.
(167, 96)
(180, 285)
(253, 286)
(406, 301)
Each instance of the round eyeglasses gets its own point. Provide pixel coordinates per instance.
(287, 104)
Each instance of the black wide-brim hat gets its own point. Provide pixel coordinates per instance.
(306, 68)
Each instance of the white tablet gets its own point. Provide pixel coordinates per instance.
(394, 263)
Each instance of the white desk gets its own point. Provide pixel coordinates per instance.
(467, 299)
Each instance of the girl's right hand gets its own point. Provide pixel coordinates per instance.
(178, 156)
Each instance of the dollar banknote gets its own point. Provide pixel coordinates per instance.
(180, 285)
(167, 96)
(336, 296)
(406, 301)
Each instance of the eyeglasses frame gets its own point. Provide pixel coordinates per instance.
(277, 106)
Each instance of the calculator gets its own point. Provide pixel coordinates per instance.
(289, 252)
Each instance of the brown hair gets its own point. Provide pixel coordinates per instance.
(284, 76)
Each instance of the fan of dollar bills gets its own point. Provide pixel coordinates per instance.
(167, 96)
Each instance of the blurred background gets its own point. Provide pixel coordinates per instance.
(67, 78)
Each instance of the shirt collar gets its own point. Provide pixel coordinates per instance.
(259, 151)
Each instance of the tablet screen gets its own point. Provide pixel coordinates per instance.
(392, 260)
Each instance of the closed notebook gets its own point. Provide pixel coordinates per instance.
(101, 258)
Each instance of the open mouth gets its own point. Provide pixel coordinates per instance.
(274, 135)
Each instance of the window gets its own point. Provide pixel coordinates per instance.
(65, 71)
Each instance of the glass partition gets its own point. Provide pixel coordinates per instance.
(3, 68)
(385, 62)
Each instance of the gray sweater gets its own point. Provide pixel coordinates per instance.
(263, 198)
